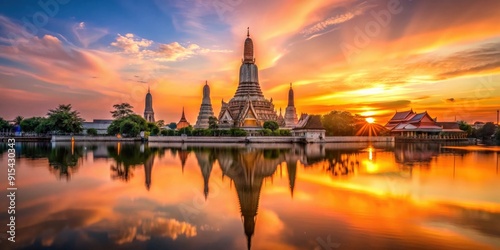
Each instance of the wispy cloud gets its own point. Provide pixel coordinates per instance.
(318, 28)
(475, 59)
(88, 35)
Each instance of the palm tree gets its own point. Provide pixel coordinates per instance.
(122, 110)
(18, 120)
(160, 123)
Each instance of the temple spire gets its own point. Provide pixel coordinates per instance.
(149, 114)
(248, 49)
(290, 111)
(291, 97)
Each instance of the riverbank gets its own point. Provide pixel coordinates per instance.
(268, 139)
(63, 138)
(26, 138)
(436, 139)
(227, 139)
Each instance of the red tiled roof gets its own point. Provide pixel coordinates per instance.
(401, 115)
(448, 125)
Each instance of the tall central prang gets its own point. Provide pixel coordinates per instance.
(248, 108)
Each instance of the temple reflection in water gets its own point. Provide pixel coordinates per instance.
(402, 171)
(248, 169)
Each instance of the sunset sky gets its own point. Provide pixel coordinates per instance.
(368, 57)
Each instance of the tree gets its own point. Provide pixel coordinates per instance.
(285, 132)
(465, 127)
(141, 122)
(4, 125)
(92, 131)
(44, 126)
(172, 125)
(168, 132)
(122, 110)
(497, 136)
(153, 128)
(116, 126)
(487, 130)
(129, 128)
(18, 120)
(30, 124)
(266, 132)
(272, 125)
(65, 120)
(213, 122)
(341, 123)
(237, 132)
(186, 130)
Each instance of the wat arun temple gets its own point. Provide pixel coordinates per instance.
(248, 109)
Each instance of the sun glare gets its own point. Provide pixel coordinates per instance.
(370, 120)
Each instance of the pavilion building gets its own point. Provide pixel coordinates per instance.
(310, 128)
(248, 109)
(206, 110)
(149, 114)
(409, 124)
(100, 125)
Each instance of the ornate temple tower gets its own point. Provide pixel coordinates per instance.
(290, 112)
(248, 108)
(182, 122)
(281, 120)
(206, 110)
(149, 114)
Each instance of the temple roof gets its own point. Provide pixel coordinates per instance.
(419, 117)
(183, 122)
(448, 125)
(310, 122)
(399, 116)
(183, 117)
(413, 121)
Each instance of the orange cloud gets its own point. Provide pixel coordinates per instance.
(419, 52)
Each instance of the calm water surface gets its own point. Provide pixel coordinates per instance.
(336, 196)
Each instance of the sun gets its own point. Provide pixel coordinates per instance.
(370, 119)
